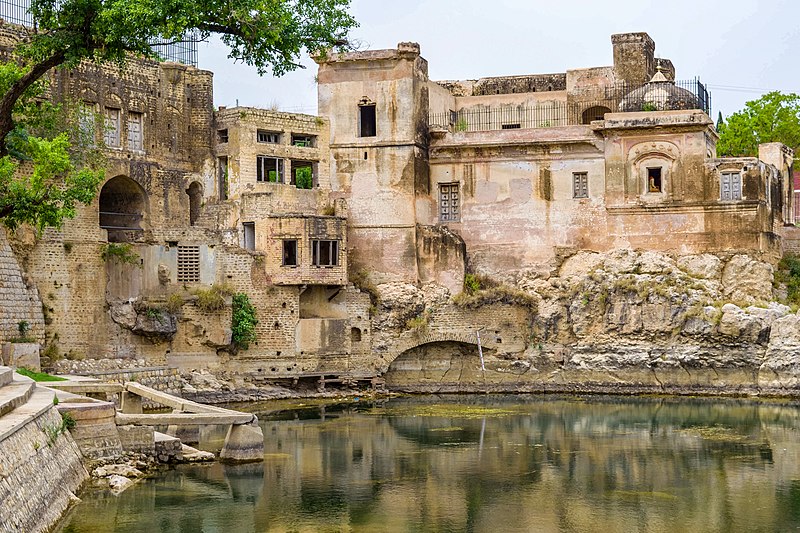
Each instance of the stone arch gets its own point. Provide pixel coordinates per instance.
(415, 340)
(195, 192)
(355, 335)
(596, 112)
(643, 158)
(123, 205)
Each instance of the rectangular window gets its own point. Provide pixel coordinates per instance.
(580, 185)
(654, 179)
(269, 169)
(302, 174)
(731, 186)
(448, 202)
(188, 264)
(325, 253)
(511, 126)
(135, 141)
(289, 253)
(222, 173)
(222, 136)
(367, 120)
(264, 136)
(304, 141)
(111, 136)
(249, 235)
(87, 124)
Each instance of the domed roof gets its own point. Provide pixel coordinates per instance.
(659, 94)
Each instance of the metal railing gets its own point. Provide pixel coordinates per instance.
(588, 106)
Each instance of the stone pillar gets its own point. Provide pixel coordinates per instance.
(244, 443)
(634, 57)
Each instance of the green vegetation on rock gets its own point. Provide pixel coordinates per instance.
(38, 376)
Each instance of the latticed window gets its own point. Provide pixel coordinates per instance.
(135, 141)
(188, 264)
(111, 136)
(448, 202)
(580, 185)
(731, 186)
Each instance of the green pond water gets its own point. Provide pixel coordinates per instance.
(486, 463)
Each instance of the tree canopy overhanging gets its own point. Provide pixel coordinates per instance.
(267, 34)
(775, 117)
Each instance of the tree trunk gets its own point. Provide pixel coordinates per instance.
(16, 90)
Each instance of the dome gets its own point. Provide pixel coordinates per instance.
(659, 94)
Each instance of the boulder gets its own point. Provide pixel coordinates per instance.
(124, 314)
(704, 266)
(747, 279)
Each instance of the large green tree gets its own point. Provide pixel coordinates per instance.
(268, 34)
(775, 117)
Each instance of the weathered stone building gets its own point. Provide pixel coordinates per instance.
(400, 183)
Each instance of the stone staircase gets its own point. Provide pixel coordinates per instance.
(15, 390)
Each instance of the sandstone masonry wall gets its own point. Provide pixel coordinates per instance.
(19, 302)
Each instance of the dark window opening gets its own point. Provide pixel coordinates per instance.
(511, 126)
(580, 185)
(654, 179)
(249, 236)
(223, 178)
(367, 122)
(269, 169)
(222, 135)
(597, 112)
(302, 174)
(122, 206)
(271, 137)
(195, 192)
(304, 141)
(325, 253)
(289, 254)
(355, 335)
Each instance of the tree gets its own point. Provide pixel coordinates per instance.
(268, 34)
(51, 163)
(775, 117)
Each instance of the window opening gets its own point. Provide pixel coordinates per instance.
(264, 136)
(325, 253)
(580, 185)
(112, 127)
(188, 264)
(448, 202)
(304, 141)
(355, 335)
(222, 136)
(122, 205)
(135, 137)
(195, 192)
(302, 174)
(289, 253)
(368, 125)
(269, 169)
(654, 179)
(249, 236)
(511, 126)
(223, 177)
(87, 122)
(731, 186)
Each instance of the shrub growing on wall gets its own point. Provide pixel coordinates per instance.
(243, 321)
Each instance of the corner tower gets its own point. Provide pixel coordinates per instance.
(377, 104)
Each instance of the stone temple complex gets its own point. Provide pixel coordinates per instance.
(352, 231)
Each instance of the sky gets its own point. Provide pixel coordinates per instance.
(740, 49)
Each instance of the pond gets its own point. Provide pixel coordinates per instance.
(486, 463)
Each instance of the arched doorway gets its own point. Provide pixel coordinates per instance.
(122, 208)
(195, 192)
(594, 113)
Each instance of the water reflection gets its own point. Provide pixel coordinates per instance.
(487, 463)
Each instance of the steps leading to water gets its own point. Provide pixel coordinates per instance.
(15, 393)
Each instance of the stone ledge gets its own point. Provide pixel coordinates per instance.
(39, 402)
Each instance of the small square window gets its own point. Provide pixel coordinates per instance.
(269, 169)
(222, 135)
(304, 141)
(580, 185)
(325, 253)
(654, 180)
(289, 252)
(271, 137)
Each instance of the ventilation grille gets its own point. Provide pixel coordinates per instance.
(188, 264)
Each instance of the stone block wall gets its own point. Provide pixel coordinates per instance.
(38, 476)
(20, 302)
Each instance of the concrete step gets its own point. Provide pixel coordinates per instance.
(39, 401)
(16, 393)
(6, 375)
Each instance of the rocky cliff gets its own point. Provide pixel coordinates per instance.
(624, 321)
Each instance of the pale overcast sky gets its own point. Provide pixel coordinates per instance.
(739, 48)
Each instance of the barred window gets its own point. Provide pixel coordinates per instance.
(449, 202)
(730, 186)
(188, 264)
(325, 253)
(580, 185)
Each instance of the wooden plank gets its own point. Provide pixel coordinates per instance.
(183, 419)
